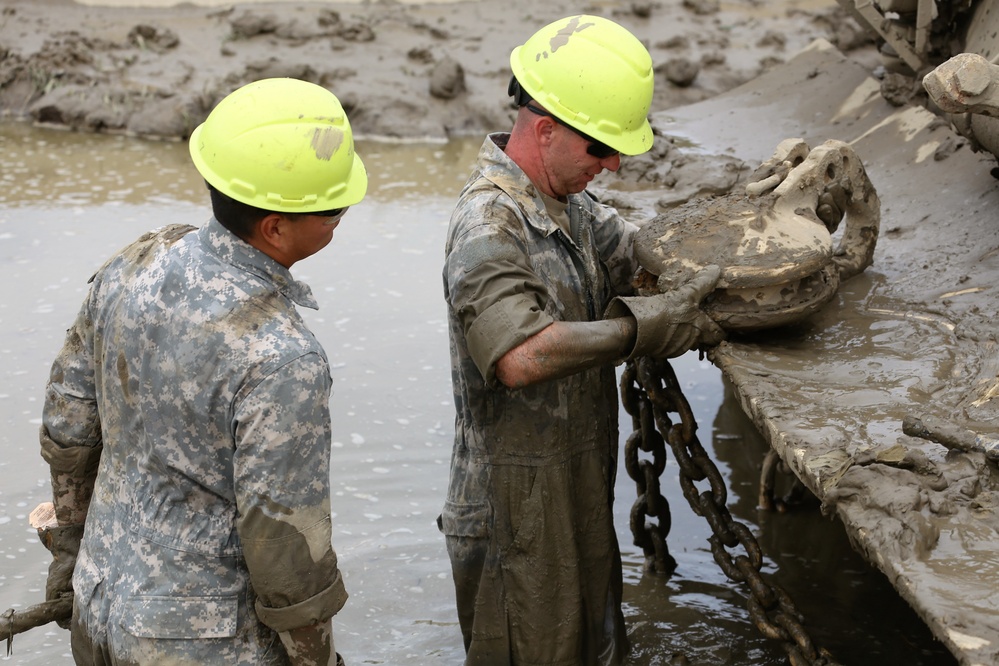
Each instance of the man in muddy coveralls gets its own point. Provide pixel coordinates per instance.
(534, 275)
(186, 419)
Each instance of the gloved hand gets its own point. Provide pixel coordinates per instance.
(673, 322)
(64, 544)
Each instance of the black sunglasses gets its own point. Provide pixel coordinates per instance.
(333, 212)
(597, 149)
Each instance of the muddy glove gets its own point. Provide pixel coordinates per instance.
(64, 544)
(671, 323)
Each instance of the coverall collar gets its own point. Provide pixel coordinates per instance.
(499, 169)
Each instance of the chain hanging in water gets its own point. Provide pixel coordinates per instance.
(649, 392)
(650, 537)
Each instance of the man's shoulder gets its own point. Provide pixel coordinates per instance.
(482, 194)
(483, 213)
(147, 246)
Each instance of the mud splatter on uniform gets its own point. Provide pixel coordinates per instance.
(528, 512)
(209, 527)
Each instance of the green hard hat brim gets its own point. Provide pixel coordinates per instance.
(341, 194)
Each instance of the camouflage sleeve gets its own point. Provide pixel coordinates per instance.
(281, 472)
(615, 239)
(490, 284)
(70, 434)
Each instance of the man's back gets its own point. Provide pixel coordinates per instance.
(211, 398)
(185, 329)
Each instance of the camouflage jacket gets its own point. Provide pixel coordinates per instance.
(539, 460)
(190, 365)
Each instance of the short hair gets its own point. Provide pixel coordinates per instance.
(236, 216)
(240, 218)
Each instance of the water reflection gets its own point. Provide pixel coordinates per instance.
(70, 199)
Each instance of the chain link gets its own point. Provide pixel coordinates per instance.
(650, 391)
(649, 536)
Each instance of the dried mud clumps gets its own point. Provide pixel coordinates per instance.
(447, 79)
(407, 70)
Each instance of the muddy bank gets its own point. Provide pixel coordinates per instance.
(430, 71)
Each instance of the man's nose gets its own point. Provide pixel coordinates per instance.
(612, 163)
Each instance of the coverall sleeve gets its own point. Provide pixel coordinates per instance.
(490, 284)
(281, 471)
(615, 240)
(70, 434)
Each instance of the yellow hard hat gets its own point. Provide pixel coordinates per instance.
(282, 145)
(592, 74)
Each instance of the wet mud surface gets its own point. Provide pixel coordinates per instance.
(426, 71)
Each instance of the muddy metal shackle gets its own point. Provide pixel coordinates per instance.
(799, 177)
(773, 240)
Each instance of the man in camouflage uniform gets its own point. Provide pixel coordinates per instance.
(532, 264)
(186, 419)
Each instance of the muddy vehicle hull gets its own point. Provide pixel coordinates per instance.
(917, 36)
(911, 335)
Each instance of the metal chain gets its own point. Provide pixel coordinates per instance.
(649, 392)
(650, 537)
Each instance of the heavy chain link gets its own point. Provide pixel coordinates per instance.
(650, 537)
(650, 392)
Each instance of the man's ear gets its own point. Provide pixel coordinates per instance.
(271, 231)
(543, 129)
(273, 236)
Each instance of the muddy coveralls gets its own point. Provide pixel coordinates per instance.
(193, 397)
(527, 518)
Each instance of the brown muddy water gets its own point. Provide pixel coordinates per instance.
(69, 200)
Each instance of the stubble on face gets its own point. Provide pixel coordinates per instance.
(569, 168)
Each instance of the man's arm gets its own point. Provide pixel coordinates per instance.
(70, 435)
(281, 471)
(311, 645)
(662, 326)
(565, 348)
(70, 438)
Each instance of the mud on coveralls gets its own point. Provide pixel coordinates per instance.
(528, 514)
(193, 399)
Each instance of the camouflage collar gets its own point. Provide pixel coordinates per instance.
(240, 254)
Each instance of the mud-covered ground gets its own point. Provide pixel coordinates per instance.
(433, 70)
